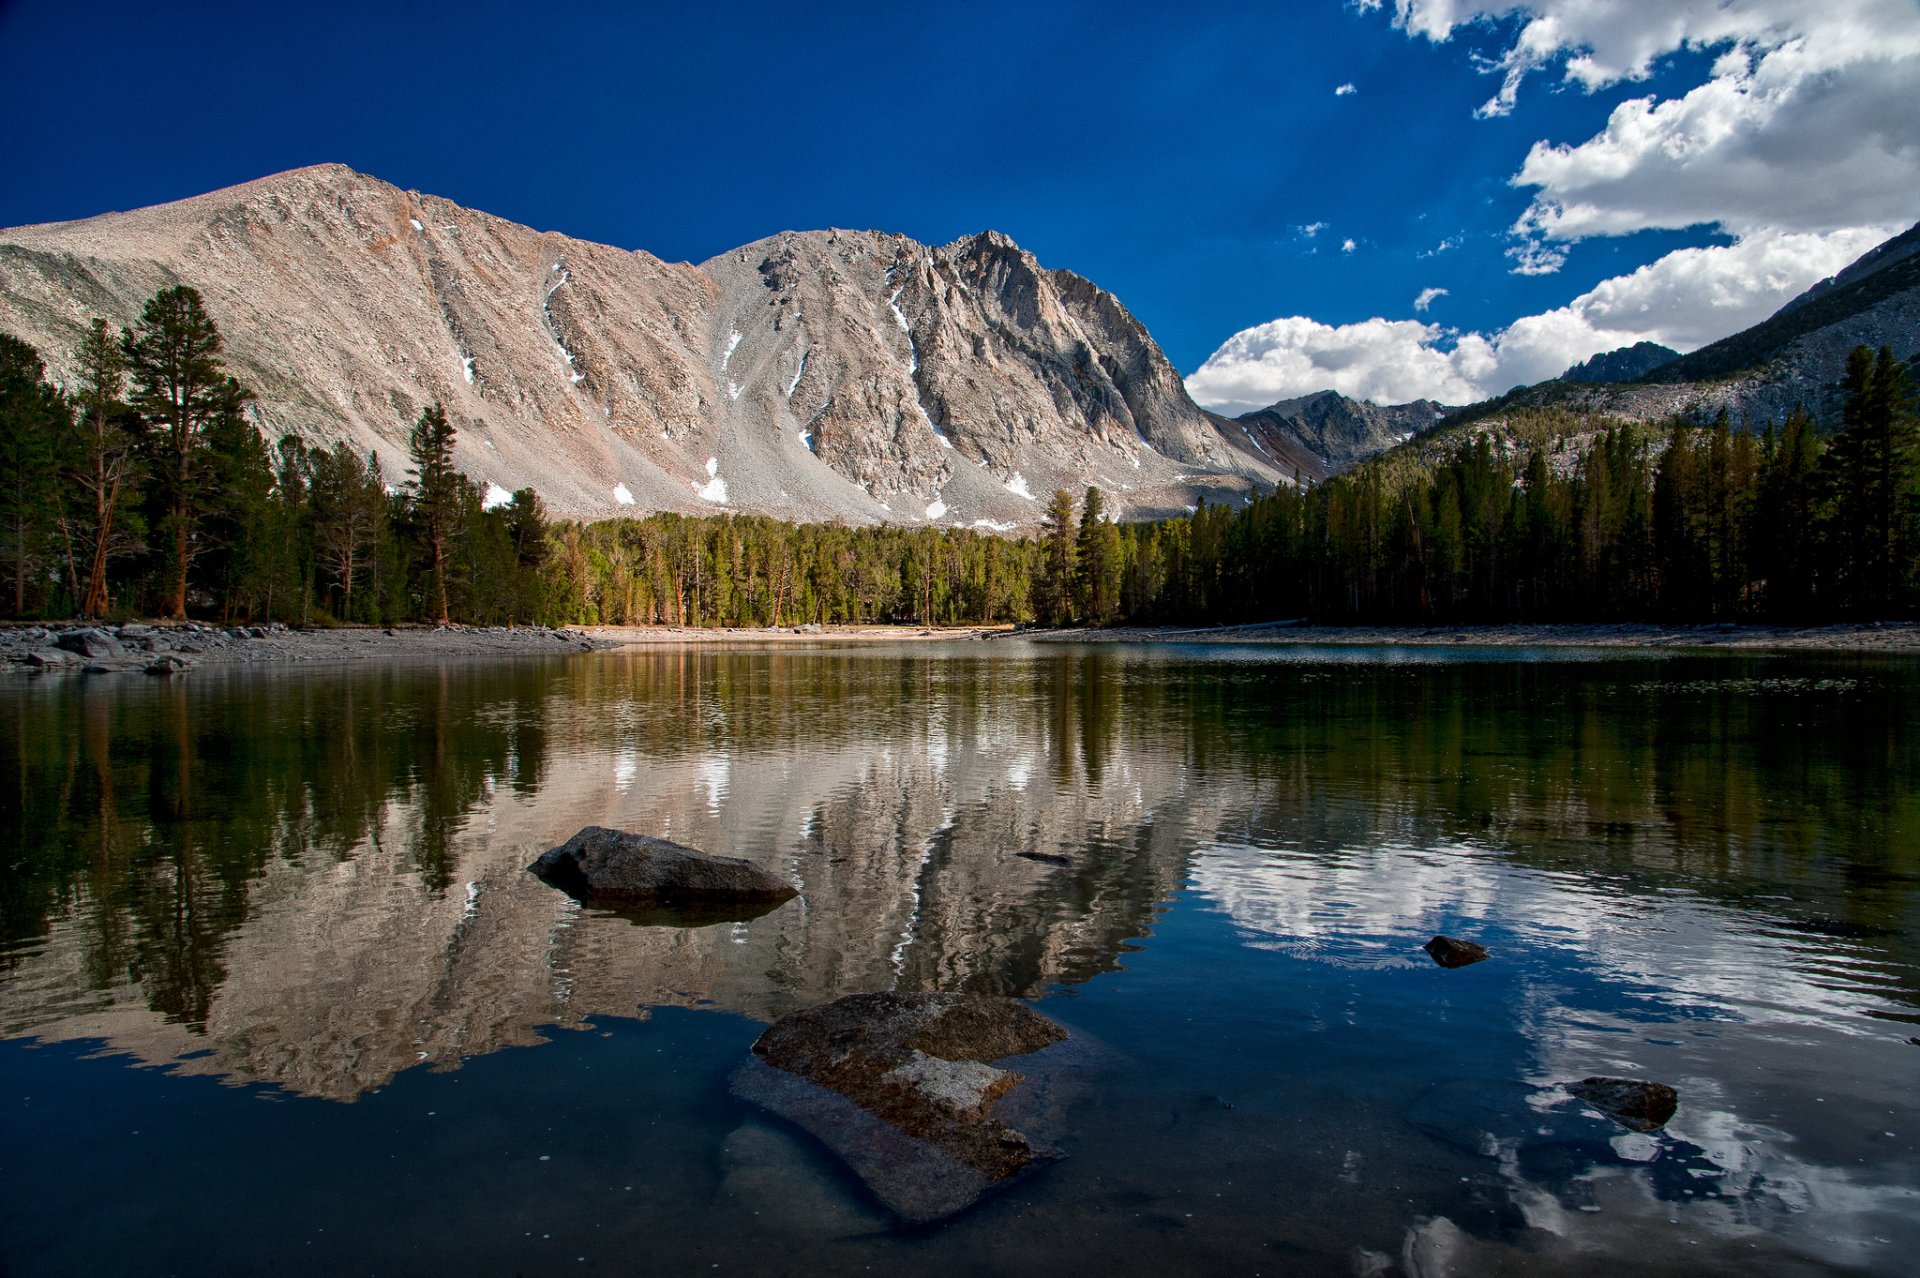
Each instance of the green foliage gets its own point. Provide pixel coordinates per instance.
(180, 390)
(1556, 517)
(33, 419)
(746, 570)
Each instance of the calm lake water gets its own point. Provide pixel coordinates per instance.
(277, 994)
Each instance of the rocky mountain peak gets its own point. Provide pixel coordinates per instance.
(811, 375)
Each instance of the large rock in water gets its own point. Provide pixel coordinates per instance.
(911, 1090)
(1451, 951)
(614, 868)
(1631, 1102)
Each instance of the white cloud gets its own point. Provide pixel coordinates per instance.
(1805, 122)
(1345, 89)
(1312, 229)
(1685, 300)
(1346, 246)
(1428, 296)
(1447, 245)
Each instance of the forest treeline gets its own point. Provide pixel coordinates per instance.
(143, 488)
(1686, 524)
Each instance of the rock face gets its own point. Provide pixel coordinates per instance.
(1757, 376)
(1631, 1102)
(599, 866)
(902, 1086)
(1449, 951)
(811, 375)
(1338, 431)
(1622, 365)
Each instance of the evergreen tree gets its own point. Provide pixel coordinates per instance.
(435, 499)
(1786, 506)
(1871, 472)
(180, 391)
(349, 507)
(1096, 582)
(236, 513)
(102, 465)
(32, 419)
(1054, 602)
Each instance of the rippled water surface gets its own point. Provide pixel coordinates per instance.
(276, 992)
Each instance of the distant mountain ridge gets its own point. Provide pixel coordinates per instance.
(811, 376)
(1627, 364)
(1795, 357)
(1341, 432)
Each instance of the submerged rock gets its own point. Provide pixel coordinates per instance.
(599, 866)
(907, 1088)
(1449, 951)
(1631, 1102)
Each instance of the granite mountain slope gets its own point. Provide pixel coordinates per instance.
(1757, 376)
(812, 375)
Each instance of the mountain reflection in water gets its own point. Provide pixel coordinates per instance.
(316, 880)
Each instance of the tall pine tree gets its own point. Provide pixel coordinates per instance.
(435, 498)
(180, 390)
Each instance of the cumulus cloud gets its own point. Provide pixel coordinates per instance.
(1805, 122)
(1428, 296)
(1345, 89)
(1312, 229)
(1347, 246)
(1684, 300)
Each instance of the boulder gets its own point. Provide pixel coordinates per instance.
(1631, 1102)
(1450, 951)
(90, 643)
(47, 658)
(614, 868)
(170, 664)
(911, 1091)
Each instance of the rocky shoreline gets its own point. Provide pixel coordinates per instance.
(170, 649)
(1889, 637)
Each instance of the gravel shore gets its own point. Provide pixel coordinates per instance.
(1893, 637)
(175, 649)
(160, 649)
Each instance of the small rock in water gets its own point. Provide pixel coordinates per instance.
(614, 868)
(1633, 1103)
(169, 664)
(1449, 951)
(902, 1086)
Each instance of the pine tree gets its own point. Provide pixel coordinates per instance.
(1786, 548)
(32, 419)
(1096, 579)
(349, 507)
(1871, 471)
(235, 512)
(435, 493)
(1054, 603)
(180, 390)
(102, 464)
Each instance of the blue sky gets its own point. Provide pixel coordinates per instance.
(1198, 160)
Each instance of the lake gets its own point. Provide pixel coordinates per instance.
(277, 993)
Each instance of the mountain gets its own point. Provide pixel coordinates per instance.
(815, 375)
(1794, 357)
(1627, 364)
(1341, 432)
